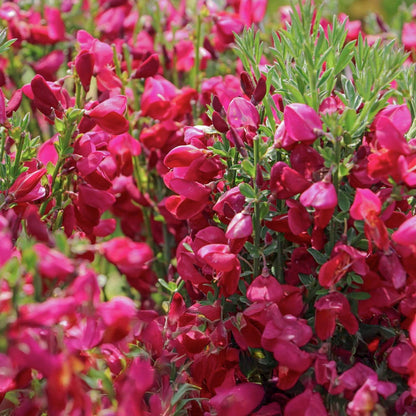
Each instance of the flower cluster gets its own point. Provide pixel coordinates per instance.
(205, 212)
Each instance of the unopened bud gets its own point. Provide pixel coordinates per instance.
(246, 84)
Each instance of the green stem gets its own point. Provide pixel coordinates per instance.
(280, 246)
(3, 144)
(234, 173)
(18, 155)
(256, 218)
(197, 56)
(64, 146)
(335, 181)
(118, 70)
(197, 62)
(133, 82)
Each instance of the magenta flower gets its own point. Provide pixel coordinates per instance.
(238, 400)
(109, 115)
(406, 234)
(265, 288)
(242, 113)
(367, 207)
(409, 35)
(84, 64)
(365, 202)
(27, 187)
(218, 256)
(118, 316)
(302, 122)
(320, 195)
(52, 264)
(284, 335)
(157, 98)
(328, 309)
(286, 182)
(130, 257)
(241, 226)
(148, 68)
(306, 404)
(44, 98)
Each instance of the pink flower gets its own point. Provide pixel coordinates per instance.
(306, 404)
(239, 400)
(283, 335)
(302, 122)
(286, 182)
(109, 115)
(52, 264)
(365, 202)
(27, 187)
(252, 11)
(241, 226)
(328, 309)
(218, 256)
(148, 68)
(84, 64)
(406, 234)
(367, 207)
(136, 381)
(399, 358)
(320, 195)
(118, 316)
(5, 242)
(157, 98)
(130, 257)
(265, 288)
(242, 113)
(409, 35)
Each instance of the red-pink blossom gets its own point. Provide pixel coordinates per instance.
(241, 399)
(320, 195)
(365, 202)
(406, 234)
(306, 404)
(109, 115)
(328, 309)
(265, 288)
(302, 122)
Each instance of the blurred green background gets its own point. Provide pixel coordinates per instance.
(356, 9)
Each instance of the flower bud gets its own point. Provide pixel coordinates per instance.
(246, 84)
(219, 123)
(84, 65)
(148, 68)
(259, 92)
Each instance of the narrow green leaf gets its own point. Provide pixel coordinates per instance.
(319, 257)
(247, 190)
(359, 295)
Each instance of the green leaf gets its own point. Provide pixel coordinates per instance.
(264, 210)
(188, 247)
(349, 116)
(359, 295)
(319, 257)
(345, 57)
(356, 278)
(248, 167)
(183, 390)
(306, 279)
(343, 201)
(169, 286)
(247, 190)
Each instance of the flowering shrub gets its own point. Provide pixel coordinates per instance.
(204, 213)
